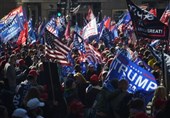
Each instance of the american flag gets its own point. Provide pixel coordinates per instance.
(165, 16)
(79, 43)
(55, 49)
(92, 55)
(52, 26)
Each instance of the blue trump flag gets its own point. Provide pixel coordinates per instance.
(124, 20)
(10, 29)
(139, 79)
(31, 33)
(55, 27)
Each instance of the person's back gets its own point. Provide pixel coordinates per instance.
(119, 100)
(9, 73)
(91, 96)
(103, 104)
(92, 91)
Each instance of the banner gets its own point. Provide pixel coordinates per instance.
(31, 33)
(10, 29)
(90, 29)
(146, 24)
(139, 79)
(18, 11)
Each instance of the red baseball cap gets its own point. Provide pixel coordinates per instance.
(21, 62)
(94, 79)
(33, 73)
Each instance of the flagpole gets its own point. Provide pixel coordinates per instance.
(166, 73)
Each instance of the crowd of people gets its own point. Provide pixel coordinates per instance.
(24, 92)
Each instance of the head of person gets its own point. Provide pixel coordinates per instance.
(137, 108)
(12, 59)
(94, 80)
(35, 105)
(79, 78)
(42, 58)
(70, 84)
(137, 104)
(123, 84)
(115, 83)
(156, 66)
(160, 92)
(35, 58)
(77, 68)
(33, 73)
(91, 67)
(19, 113)
(32, 80)
(33, 92)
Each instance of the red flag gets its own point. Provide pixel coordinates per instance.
(23, 35)
(90, 14)
(67, 31)
(107, 23)
(165, 16)
(153, 11)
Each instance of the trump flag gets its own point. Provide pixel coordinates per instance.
(139, 79)
(146, 24)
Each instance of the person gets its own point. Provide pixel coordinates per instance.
(103, 107)
(158, 101)
(24, 87)
(137, 108)
(164, 112)
(12, 77)
(33, 92)
(70, 90)
(81, 83)
(119, 100)
(75, 106)
(10, 74)
(92, 91)
(41, 79)
(90, 71)
(34, 108)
